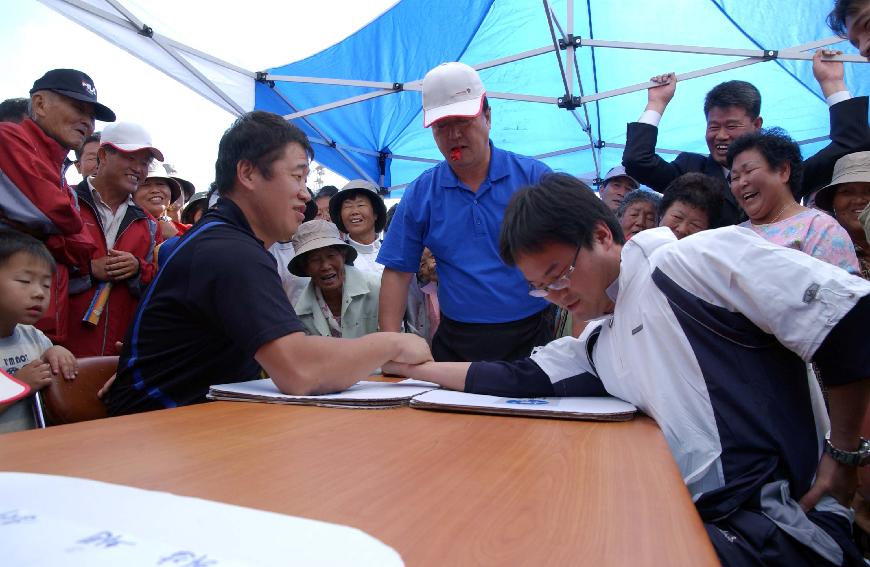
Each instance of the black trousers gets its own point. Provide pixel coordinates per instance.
(455, 341)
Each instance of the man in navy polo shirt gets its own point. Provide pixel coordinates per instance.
(455, 209)
(216, 311)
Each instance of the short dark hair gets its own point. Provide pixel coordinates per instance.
(636, 196)
(734, 93)
(698, 190)
(391, 212)
(310, 207)
(777, 148)
(12, 242)
(95, 137)
(559, 208)
(257, 137)
(327, 191)
(843, 9)
(14, 110)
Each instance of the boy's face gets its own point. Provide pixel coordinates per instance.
(25, 289)
(595, 269)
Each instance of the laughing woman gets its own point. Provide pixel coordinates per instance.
(766, 171)
(340, 300)
(155, 194)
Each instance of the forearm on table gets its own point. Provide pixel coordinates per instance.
(306, 365)
(450, 375)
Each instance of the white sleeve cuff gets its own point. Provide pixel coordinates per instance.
(838, 96)
(653, 118)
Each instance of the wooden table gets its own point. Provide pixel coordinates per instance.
(440, 488)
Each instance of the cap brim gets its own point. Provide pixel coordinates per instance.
(629, 177)
(129, 148)
(464, 109)
(101, 112)
(186, 187)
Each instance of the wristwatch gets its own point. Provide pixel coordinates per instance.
(859, 458)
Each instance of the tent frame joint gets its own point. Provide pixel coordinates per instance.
(262, 77)
(569, 102)
(770, 54)
(146, 31)
(570, 41)
(398, 87)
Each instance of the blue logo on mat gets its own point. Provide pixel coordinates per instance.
(529, 402)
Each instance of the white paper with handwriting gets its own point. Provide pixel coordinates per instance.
(55, 520)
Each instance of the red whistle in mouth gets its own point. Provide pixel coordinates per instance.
(456, 154)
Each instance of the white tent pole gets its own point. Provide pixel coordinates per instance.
(322, 134)
(563, 152)
(172, 53)
(517, 57)
(133, 24)
(793, 53)
(657, 150)
(327, 81)
(569, 54)
(112, 18)
(681, 77)
(338, 104)
(813, 140)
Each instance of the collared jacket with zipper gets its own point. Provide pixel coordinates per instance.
(359, 306)
(138, 235)
(35, 198)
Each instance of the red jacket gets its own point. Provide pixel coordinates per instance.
(35, 198)
(138, 235)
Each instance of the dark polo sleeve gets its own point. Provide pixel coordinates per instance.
(242, 289)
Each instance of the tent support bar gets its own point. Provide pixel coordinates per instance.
(512, 58)
(522, 97)
(328, 141)
(813, 140)
(337, 104)
(563, 152)
(112, 18)
(569, 55)
(657, 150)
(134, 22)
(354, 165)
(682, 77)
(324, 81)
(792, 53)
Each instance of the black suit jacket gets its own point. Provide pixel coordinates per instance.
(849, 133)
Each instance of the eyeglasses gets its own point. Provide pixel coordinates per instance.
(559, 283)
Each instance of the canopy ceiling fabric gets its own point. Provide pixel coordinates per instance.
(378, 134)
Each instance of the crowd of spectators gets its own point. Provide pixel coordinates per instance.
(714, 291)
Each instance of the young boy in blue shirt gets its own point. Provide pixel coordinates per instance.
(26, 268)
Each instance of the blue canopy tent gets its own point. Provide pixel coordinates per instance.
(368, 123)
(563, 76)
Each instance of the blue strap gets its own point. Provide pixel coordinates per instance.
(138, 380)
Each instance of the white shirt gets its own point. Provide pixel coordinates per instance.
(111, 221)
(367, 256)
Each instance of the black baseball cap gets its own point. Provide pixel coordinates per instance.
(75, 85)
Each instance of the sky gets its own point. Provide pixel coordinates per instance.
(183, 125)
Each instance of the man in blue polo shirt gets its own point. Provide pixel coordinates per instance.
(455, 209)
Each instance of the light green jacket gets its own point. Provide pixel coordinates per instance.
(359, 306)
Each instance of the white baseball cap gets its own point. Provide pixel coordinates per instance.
(128, 137)
(451, 89)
